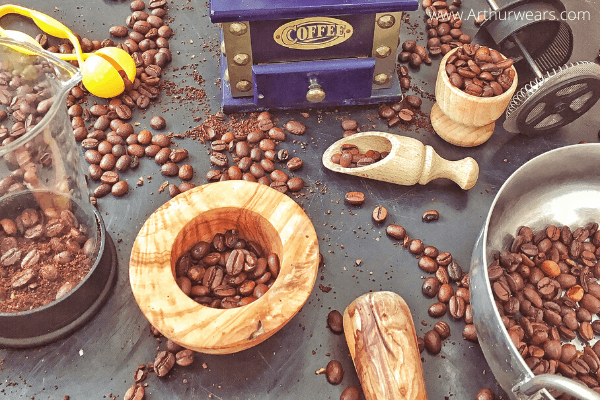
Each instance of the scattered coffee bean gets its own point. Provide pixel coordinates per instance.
(379, 214)
(335, 321)
(158, 122)
(432, 341)
(334, 372)
(295, 127)
(355, 198)
(431, 215)
(351, 393)
(485, 394)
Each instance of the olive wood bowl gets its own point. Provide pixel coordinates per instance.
(261, 214)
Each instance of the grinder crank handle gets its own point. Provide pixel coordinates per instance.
(382, 340)
(464, 172)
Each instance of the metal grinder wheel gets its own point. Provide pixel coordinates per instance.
(555, 100)
(560, 93)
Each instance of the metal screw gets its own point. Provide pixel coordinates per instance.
(381, 79)
(383, 51)
(238, 28)
(243, 86)
(241, 59)
(386, 21)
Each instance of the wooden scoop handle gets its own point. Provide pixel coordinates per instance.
(464, 172)
(382, 341)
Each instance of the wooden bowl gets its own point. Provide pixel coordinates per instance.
(261, 214)
(462, 119)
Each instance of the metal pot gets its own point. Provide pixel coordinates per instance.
(560, 187)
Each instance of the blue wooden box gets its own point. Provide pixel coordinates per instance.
(301, 54)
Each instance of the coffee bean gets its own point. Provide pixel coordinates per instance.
(123, 163)
(184, 357)
(161, 140)
(442, 328)
(64, 257)
(93, 156)
(119, 189)
(416, 246)
(396, 231)
(335, 321)
(437, 310)
(173, 190)
(431, 215)
(135, 392)
(445, 293)
(178, 155)
(109, 177)
(469, 332)
(349, 125)
(428, 264)
(277, 134)
(158, 122)
(455, 271)
(169, 169)
(413, 101)
(379, 214)
(294, 164)
(163, 363)
(350, 393)
(432, 341)
(295, 184)
(409, 45)
(334, 372)
(457, 306)
(295, 127)
(355, 198)
(107, 162)
(186, 172)
(485, 394)
(444, 259)
(431, 287)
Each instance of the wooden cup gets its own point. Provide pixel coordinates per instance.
(462, 119)
(261, 214)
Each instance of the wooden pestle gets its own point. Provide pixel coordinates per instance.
(408, 163)
(383, 343)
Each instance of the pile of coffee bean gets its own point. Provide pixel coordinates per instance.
(122, 148)
(43, 255)
(443, 31)
(351, 157)
(255, 155)
(480, 71)
(173, 354)
(228, 272)
(450, 285)
(26, 99)
(547, 294)
(403, 111)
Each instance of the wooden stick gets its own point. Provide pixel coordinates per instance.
(382, 341)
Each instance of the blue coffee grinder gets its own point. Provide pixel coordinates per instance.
(308, 53)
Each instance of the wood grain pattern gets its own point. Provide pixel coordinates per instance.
(467, 112)
(409, 162)
(459, 134)
(261, 214)
(381, 337)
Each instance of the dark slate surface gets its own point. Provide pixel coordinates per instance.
(100, 359)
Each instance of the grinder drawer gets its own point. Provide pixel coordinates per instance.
(283, 85)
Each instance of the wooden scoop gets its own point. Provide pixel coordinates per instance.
(408, 163)
(381, 337)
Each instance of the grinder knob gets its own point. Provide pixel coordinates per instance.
(315, 93)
